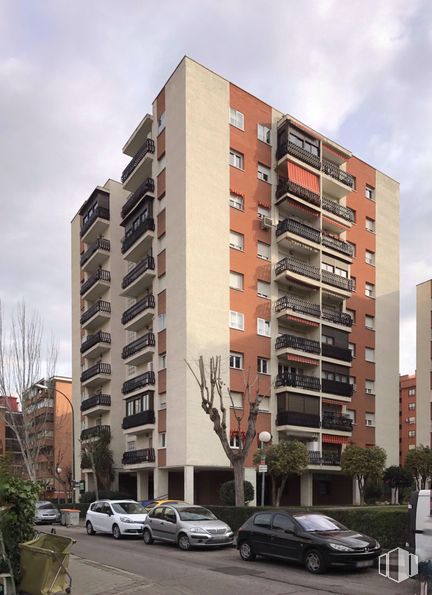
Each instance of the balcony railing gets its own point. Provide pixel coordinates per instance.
(298, 381)
(99, 212)
(294, 418)
(333, 207)
(95, 432)
(337, 317)
(337, 245)
(139, 419)
(100, 337)
(138, 382)
(297, 266)
(143, 455)
(336, 352)
(333, 171)
(99, 368)
(293, 342)
(333, 421)
(99, 275)
(326, 458)
(148, 147)
(299, 152)
(147, 340)
(129, 240)
(94, 401)
(337, 281)
(343, 389)
(297, 305)
(144, 265)
(99, 306)
(300, 229)
(99, 244)
(147, 186)
(289, 187)
(147, 302)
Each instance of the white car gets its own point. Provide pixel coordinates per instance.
(118, 517)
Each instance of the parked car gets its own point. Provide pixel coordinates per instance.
(149, 504)
(315, 540)
(119, 517)
(46, 512)
(187, 525)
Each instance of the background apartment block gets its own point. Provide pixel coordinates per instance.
(9, 446)
(407, 415)
(423, 363)
(248, 235)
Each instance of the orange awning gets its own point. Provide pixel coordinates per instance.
(303, 360)
(332, 439)
(302, 320)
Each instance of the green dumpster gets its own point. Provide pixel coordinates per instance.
(44, 565)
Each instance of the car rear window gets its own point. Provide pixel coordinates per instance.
(263, 519)
(48, 506)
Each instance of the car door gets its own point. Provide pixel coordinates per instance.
(94, 516)
(260, 533)
(284, 541)
(169, 524)
(105, 518)
(155, 520)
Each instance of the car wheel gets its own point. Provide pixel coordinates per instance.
(246, 551)
(147, 536)
(89, 527)
(315, 562)
(116, 532)
(183, 542)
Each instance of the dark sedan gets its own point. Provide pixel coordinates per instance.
(315, 540)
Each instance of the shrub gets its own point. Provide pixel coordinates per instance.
(227, 492)
(373, 492)
(89, 497)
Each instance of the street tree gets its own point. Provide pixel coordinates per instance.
(214, 393)
(97, 455)
(363, 464)
(397, 478)
(419, 463)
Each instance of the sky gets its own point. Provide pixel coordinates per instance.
(77, 77)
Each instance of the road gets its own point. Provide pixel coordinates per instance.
(221, 571)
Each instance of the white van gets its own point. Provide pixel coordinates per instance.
(420, 525)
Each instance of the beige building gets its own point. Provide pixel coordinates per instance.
(241, 232)
(422, 413)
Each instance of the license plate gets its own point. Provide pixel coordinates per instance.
(364, 563)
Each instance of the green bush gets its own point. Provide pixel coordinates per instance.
(227, 492)
(374, 492)
(89, 497)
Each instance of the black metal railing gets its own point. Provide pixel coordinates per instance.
(336, 352)
(99, 306)
(289, 187)
(99, 275)
(297, 266)
(297, 305)
(293, 149)
(338, 245)
(98, 213)
(326, 458)
(334, 421)
(337, 317)
(138, 382)
(94, 401)
(294, 342)
(332, 170)
(147, 302)
(148, 147)
(128, 241)
(95, 432)
(99, 244)
(334, 207)
(337, 281)
(294, 418)
(99, 368)
(300, 229)
(138, 419)
(147, 186)
(298, 381)
(143, 455)
(147, 340)
(343, 389)
(144, 265)
(100, 337)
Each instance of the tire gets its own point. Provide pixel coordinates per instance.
(246, 551)
(183, 542)
(147, 537)
(315, 562)
(116, 532)
(89, 527)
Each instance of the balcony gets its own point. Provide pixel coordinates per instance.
(95, 432)
(334, 421)
(96, 255)
(139, 351)
(289, 148)
(332, 170)
(96, 404)
(96, 315)
(144, 418)
(298, 381)
(337, 245)
(95, 225)
(288, 187)
(136, 245)
(96, 344)
(141, 381)
(337, 281)
(333, 387)
(294, 418)
(336, 352)
(298, 267)
(299, 229)
(139, 278)
(334, 207)
(96, 375)
(140, 314)
(326, 458)
(134, 199)
(96, 284)
(299, 343)
(136, 457)
(341, 318)
(290, 302)
(139, 166)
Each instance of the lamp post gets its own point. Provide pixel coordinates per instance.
(264, 437)
(45, 387)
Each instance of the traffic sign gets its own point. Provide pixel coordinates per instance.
(262, 468)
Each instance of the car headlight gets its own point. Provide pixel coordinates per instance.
(377, 544)
(125, 519)
(340, 548)
(198, 530)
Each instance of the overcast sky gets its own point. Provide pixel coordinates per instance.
(76, 77)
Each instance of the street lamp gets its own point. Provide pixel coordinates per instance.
(263, 437)
(45, 387)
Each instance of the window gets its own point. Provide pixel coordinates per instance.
(341, 272)
(309, 144)
(370, 322)
(234, 440)
(263, 327)
(264, 404)
(161, 322)
(236, 320)
(369, 354)
(131, 445)
(263, 212)
(354, 248)
(370, 257)
(263, 173)
(236, 118)
(370, 290)
(370, 419)
(161, 122)
(236, 360)
(236, 281)
(263, 251)
(236, 159)
(352, 348)
(411, 406)
(263, 519)
(370, 387)
(369, 192)
(354, 283)
(162, 439)
(352, 381)
(263, 133)
(236, 240)
(263, 365)
(352, 313)
(370, 224)
(236, 202)
(411, 433)
(327, 340)
(237, 399)
(263, 289)
(411, 392)
(411, 446)
(282, 523)
(411, 420)
(351, 414)
(162, 361)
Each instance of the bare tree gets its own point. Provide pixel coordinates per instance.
(212, 401)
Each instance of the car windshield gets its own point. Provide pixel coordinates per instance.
(196, 513)
(317, 522)
(128, 508)
(45, 506)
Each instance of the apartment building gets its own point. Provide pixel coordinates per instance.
(423, 412)
(9, 447)
(241, 232)
(407, 415)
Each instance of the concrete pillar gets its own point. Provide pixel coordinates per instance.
(251, 476)
(356, 493)
(306, 489)
(160, 483)
(142, 485)
(189, 484)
